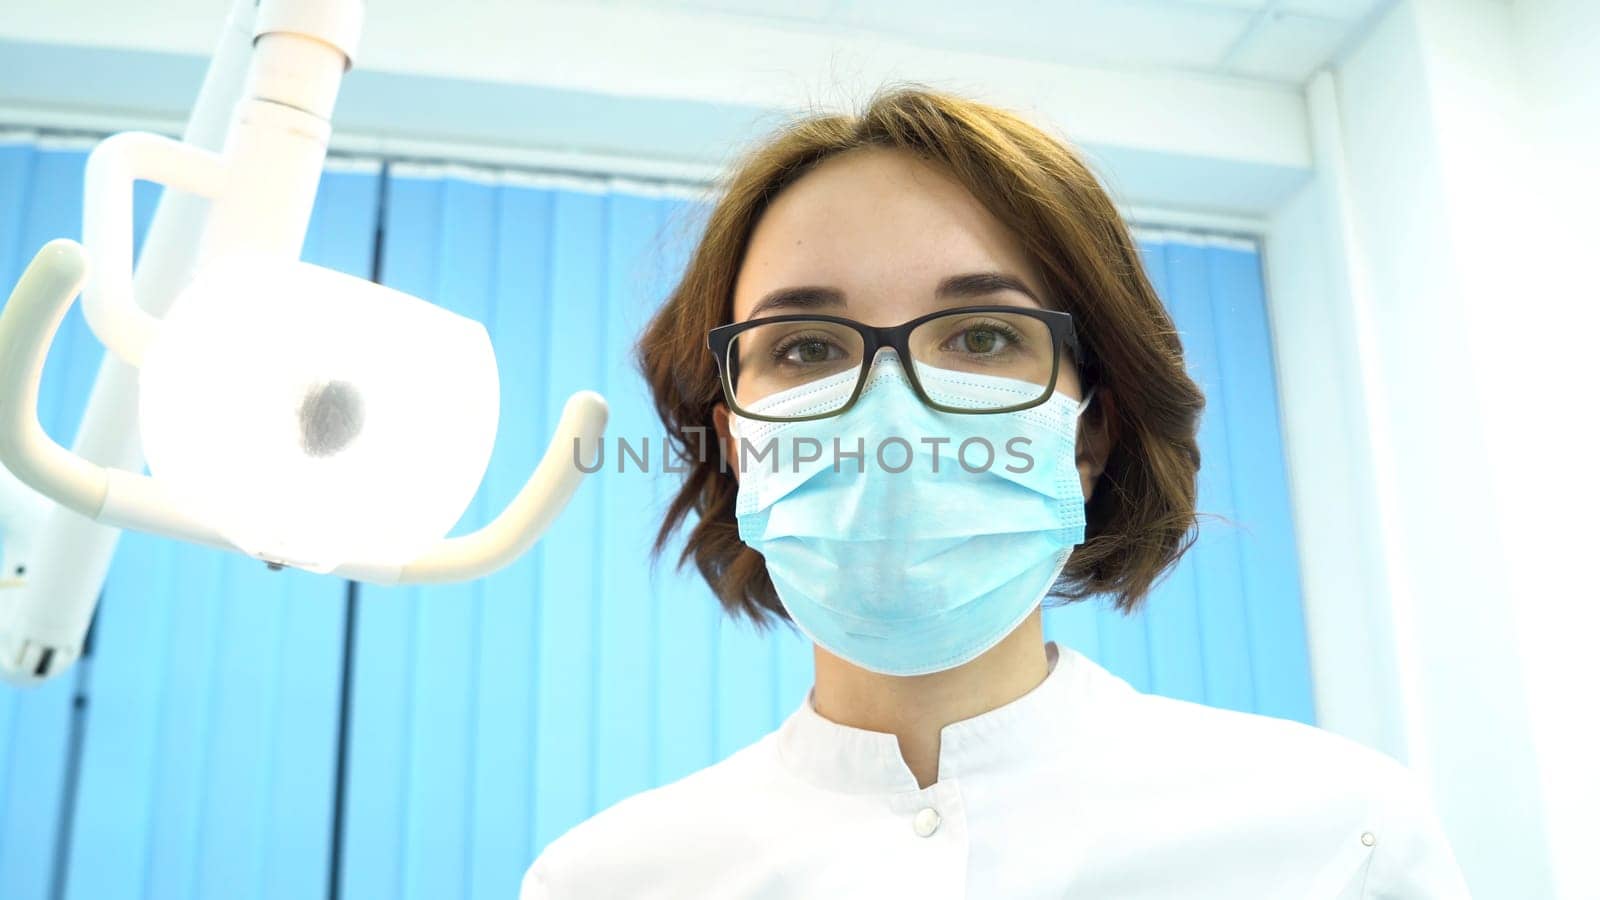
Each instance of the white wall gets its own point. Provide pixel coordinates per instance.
(1443, 249)
(1328, 450)
(1550, 321)
(1468, 727)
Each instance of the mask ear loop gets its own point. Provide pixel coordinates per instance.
(1083, 405)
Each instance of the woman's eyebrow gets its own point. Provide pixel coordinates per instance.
(956, 287)
(807, 297)
(982, 284)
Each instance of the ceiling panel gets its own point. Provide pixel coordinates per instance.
(1109, 32)
(1287, 48)
(1275, 40)
(1342, 10)
(807, 10)
(1246, 5)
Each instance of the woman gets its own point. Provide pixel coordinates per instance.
(943, 389)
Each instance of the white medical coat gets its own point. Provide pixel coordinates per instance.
(1083, 787)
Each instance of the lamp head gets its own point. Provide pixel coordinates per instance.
(316, 418)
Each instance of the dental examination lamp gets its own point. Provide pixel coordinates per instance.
(299, 415)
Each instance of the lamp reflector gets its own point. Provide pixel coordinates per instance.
(316, 418)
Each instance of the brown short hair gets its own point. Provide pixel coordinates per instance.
(1141, 516)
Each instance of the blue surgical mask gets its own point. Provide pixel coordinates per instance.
(933, 543)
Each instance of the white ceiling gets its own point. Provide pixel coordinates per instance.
(1183, 104)
(1281, 41)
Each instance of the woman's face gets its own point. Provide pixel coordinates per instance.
(883, 229)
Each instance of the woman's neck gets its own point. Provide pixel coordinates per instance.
(915, 708)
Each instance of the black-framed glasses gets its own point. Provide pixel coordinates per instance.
(798, 367)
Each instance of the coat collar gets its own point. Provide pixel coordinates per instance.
(1031, 728)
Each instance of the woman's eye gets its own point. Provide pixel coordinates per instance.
(810, 352)
(980, 340)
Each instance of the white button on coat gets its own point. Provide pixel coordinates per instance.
(1083, 787)
(927, 822)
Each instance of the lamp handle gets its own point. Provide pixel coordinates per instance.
(114, 497)
(115, 163)
(524, 520)
(27, 325)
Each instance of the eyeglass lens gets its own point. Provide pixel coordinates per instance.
(772, 358)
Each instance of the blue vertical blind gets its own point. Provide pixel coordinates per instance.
(40, 198)
(238, 732)
(202, 741)
(1226, 627)
(487, 718)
